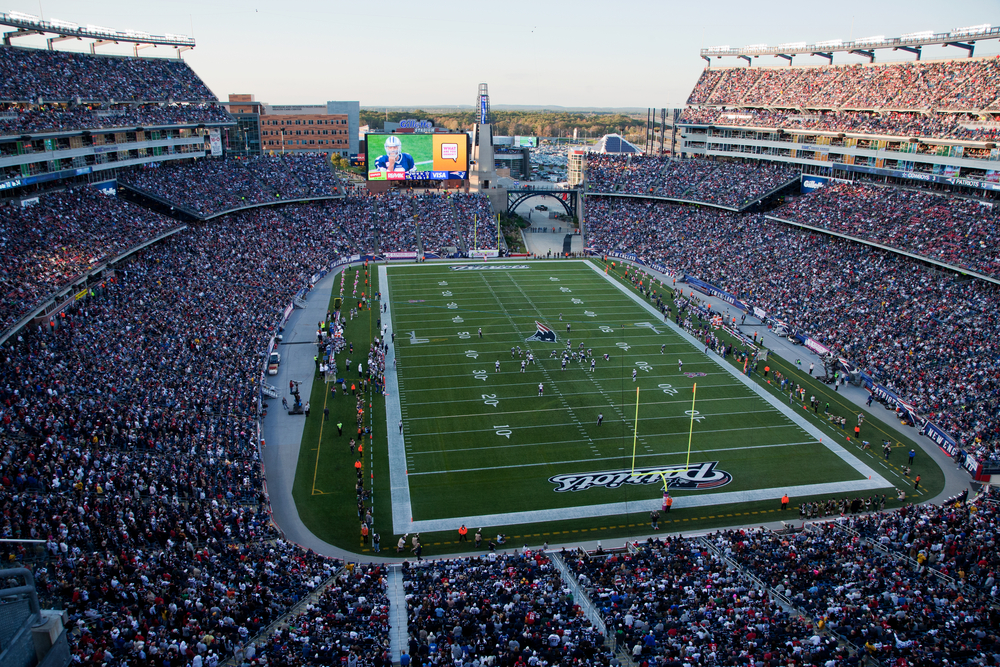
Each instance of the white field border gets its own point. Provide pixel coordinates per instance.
(402, 514)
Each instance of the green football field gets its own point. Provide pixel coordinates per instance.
(480, 446)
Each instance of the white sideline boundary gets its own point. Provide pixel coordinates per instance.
(402, 515)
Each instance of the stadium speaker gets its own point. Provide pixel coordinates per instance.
(990, 146)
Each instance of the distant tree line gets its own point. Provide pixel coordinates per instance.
(524, 123)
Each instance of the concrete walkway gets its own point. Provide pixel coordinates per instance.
(283, 432)
(399, 634)
(541, 243)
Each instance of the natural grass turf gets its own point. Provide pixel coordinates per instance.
(324, 490)
(442, 396)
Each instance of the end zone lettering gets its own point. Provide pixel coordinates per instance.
(696, 477)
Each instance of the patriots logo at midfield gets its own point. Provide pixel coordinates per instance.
(542, 334)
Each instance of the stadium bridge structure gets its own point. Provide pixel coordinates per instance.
(568, 199)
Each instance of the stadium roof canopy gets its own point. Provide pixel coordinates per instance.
(29, 24)
(614, 143)
(963, 38)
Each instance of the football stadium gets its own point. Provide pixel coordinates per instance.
(284, 389)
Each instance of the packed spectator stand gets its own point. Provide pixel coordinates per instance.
(17, 120)
(497, 609)
(953, 85)
(925, 99)
(476, 221)
(46, 246)
(212, 186)
(35, 75)
(728, 184)
(50, 91)
(148, 448)
(128, 440)
(958, 232)
(675, 602)
(921, 334)
(961, 126)
(348, 623)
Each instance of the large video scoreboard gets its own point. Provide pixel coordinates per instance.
(417, 157)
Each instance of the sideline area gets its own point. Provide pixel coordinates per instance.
(283, 432)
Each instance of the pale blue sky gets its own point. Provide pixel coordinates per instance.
(629, 53)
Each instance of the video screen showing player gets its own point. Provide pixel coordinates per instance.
(394, 159)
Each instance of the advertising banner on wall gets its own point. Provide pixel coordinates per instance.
(487, 252)
(810, 182)
(215, 141)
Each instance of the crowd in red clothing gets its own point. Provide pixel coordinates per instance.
(46, 245)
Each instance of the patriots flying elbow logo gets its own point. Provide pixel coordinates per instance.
(542, 333)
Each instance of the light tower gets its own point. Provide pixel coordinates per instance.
(483, 175)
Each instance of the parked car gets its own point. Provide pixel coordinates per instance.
(272, 363)
(541, 207)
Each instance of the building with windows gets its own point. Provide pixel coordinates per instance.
(266, 128)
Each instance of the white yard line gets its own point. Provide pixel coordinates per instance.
(650, 418)
(399, 486)
(594, 460)
(876, 480)
(629, 424)
(403, 520)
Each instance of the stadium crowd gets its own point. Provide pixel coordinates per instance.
(923, 335)
(731, 184)
(16, 120)
(955, 539)
(497, 609)
(953, 85)
(36, 75)
(46, 245)
(347, 624)
(128, 440)
(625, 173)
(477, 224)
(956, 231)
(675, 602)
(212, 186)
(886, 123)
(130, 446)
(890, 607)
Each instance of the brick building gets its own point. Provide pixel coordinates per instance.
(329, 128)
